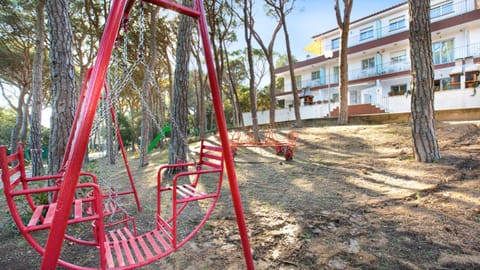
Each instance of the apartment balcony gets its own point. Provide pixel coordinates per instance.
(387, 68)
(356, 74)
(383, 69)
(457, 8)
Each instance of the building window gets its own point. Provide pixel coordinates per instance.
(298, 81)
(455, 80)
(441, 9)
(471, 78)
(366, 33)
(316, 75)
(335, 43)
(336, 74)
(398, 57)
(443, 52)
(368, 63)
(396, 24)
(441, 84)
(396, 90)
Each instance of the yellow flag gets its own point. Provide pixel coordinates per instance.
(316, 47)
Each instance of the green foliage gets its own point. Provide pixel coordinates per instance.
(282, 60)
(7, 122)
(45, 135)
(263, 99)
(279, 83)
(126, 131)
(16, 39)
(244, 99)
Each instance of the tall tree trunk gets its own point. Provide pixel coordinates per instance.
(344, 26)
(131, 107)
(146, 91)
(110, 134)
(19, 119)
(63, 81)
(268, 51)
(281, 10)
(296, 99)
(237, 112)
(201, 98)
(248, 17)
(26, 114)
(423, 113)
(180, 90)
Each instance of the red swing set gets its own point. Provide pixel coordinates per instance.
(119, 248)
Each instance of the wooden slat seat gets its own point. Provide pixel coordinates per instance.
(123, 248)
(38, 221)
(189, 193)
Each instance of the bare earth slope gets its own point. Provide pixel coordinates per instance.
(352, 198)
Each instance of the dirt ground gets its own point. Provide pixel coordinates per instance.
(352, 198)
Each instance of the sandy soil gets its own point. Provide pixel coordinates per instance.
(352, 198)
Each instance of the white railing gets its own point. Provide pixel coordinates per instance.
(459, 7)
(470, 50)
(444, 100)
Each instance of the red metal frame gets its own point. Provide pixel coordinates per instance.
(82, 127)
(285, 148)
(79, 141)
(124, 156)
(16, 184)
(211, 161)
(133, 189)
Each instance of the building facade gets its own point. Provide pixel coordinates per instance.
(379, 63)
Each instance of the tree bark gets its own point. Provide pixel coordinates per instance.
(296, 98)
(146, 91)
(247, 12)
(26, 114)
(178, 151)
(344, 26)
(111, 133)
(237, 112)
(201, 114)
(425, 143)
(63, 81)
(281, 11)
(19, 119)
(268, 51)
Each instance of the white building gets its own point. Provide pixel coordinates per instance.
(379, 63)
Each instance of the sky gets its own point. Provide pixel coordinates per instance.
(309, 18)
(312, 17)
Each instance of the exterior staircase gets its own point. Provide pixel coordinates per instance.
(358, 109)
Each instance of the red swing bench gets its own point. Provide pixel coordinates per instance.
(120, 247)
(82, 204)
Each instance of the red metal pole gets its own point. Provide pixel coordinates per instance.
(80, 139)
(122, 149)
(175, 7)
(88, 74)
(222, 129)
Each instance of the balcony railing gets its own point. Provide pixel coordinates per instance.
(471, 50)
(356, 74)
(459, 7)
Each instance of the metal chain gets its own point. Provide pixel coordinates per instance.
(141, 60)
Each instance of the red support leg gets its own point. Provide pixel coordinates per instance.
(124, 152)
(222, 129)
(80, 139)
